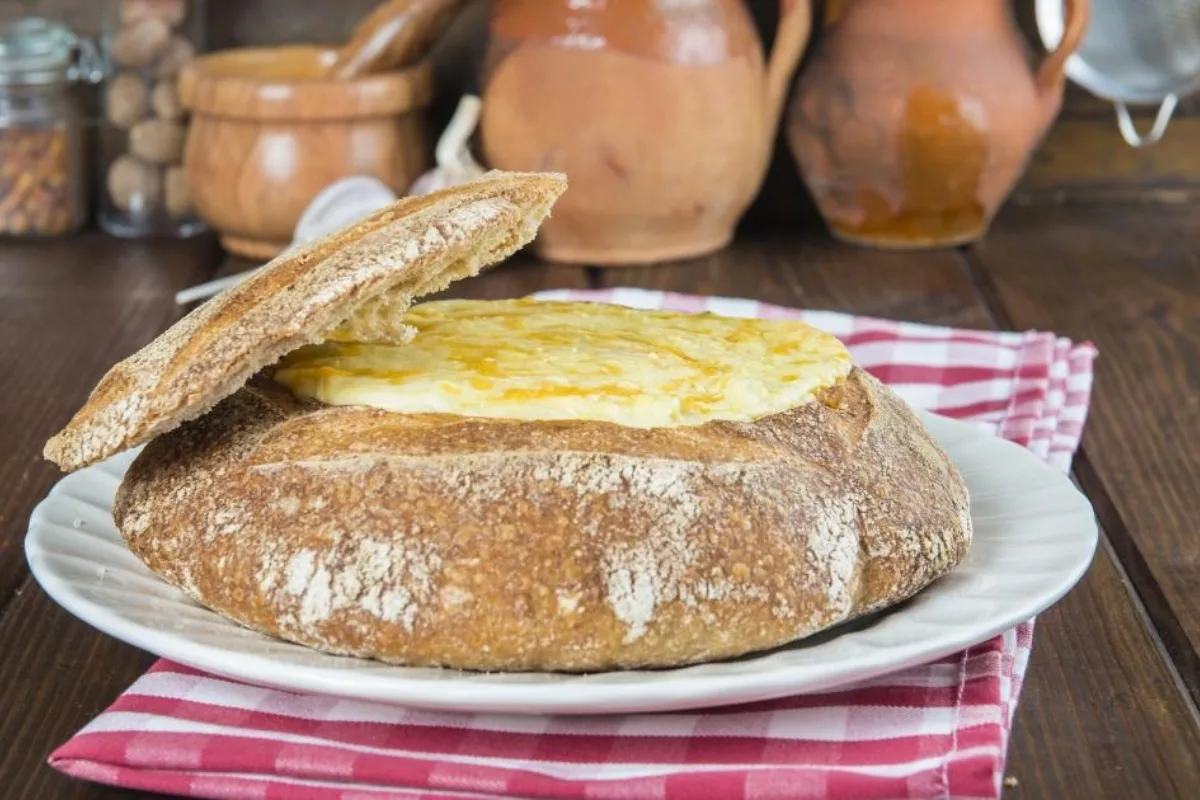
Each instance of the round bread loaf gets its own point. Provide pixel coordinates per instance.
(567, 545)
(521, 543)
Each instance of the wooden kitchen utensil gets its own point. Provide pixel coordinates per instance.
(270, 130)
(397, 34)
(661, 112)
(916, 118)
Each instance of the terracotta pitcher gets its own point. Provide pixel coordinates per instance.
(661, 112)
(917, 117)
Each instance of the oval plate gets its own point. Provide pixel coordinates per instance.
(1035, 535)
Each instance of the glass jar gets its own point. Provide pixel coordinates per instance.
(43, 158)
(145, 44)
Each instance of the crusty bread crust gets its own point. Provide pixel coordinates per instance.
(415, 247)
(574, 546)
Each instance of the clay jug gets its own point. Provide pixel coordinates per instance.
(661, 113)
(916, 118)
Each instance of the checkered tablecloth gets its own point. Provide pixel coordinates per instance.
(940, 730)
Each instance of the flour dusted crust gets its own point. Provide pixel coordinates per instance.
(368, 272)
(575, 546)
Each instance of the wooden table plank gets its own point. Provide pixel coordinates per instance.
(1128, 279)
(811, 270)
(69, 309)
(60, 673)
(1101, 715)
(57, 673)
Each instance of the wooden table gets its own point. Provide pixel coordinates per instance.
(1109, 705)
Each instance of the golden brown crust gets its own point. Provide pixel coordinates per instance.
(415, 247)
(507, 545)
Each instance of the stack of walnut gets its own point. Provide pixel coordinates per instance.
(148, 53)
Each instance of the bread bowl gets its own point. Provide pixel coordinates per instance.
(511, 485)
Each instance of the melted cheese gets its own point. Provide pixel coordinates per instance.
(536, 360)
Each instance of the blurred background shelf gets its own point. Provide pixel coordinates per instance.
(1083, 159)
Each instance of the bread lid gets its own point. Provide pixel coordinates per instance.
(370, 271)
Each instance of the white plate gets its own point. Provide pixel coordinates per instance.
(1034, 538)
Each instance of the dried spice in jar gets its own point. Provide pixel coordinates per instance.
(36, 192)
(43, 177)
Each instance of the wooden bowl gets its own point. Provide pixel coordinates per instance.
(269, 132)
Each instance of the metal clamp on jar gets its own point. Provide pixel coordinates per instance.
(43, 169)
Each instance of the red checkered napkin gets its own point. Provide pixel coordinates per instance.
(939, 730)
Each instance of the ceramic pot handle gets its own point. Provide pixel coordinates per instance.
(1078, 13)
(795, 24)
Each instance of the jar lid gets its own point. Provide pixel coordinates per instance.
(36, 51)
